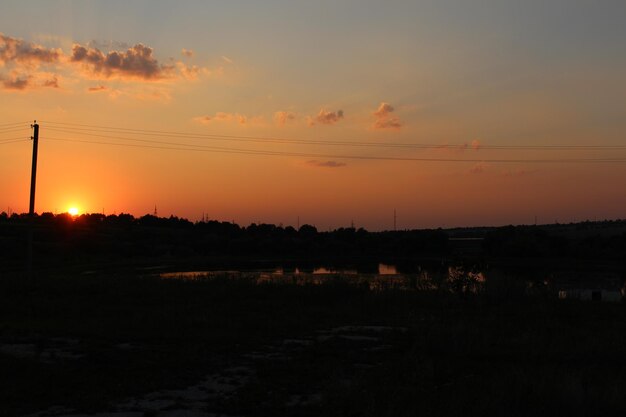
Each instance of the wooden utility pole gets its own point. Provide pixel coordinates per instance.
(33, 175)
(31, 206)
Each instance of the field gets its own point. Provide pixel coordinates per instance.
(133, 345)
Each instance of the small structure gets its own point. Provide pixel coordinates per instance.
(591, 294)
(590, 288)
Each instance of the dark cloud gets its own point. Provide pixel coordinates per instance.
(326, 164)
(26, 53)
(16, 83)
(136, 63)
(326, 117)
(52, 82)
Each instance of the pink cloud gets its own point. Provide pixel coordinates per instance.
(326, 117)
(388, 123)
(383, 110)
(282, 117)
(223, 117)
(384, 119)
(14, 50)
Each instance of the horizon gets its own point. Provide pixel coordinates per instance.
(447, 114)
(296, 227)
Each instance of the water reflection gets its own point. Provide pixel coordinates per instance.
(494, 282)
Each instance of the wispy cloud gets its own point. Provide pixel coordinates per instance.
(326, 117)
(384, 119)
(97, 89)
(222, 117)
(283, 117)
(326, 164)
(474, 145)
(478, 168)
(187, 53)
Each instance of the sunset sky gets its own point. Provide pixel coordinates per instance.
(336, 111)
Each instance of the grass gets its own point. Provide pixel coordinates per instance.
(471, 355)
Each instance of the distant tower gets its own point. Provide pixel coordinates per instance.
(352, 224)
(394, 220)
(155, 211)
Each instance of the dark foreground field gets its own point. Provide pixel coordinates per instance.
(142, 346)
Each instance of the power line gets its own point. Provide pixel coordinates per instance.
(14, 124)
(199, 148)
(13, 129)
(6, 142)
(85, 129)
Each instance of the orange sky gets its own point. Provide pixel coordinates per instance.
(353, 81)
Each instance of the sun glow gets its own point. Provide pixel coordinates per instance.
(73, 211)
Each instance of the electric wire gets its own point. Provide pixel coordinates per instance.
(85, 129)
(14, 124)
(13, 141)
(199, 148)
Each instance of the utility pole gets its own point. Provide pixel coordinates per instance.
(31, 207)
(33, 175)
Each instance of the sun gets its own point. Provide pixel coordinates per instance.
(73, 211)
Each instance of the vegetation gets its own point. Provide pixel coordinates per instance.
(94, 325)
(448, 351)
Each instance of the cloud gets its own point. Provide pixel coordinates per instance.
(136, 63)
(282, 117)
(227, 59)
(326, 164)
(383, 110)
(187, 53)
(222, 117)
(478, 168)
(388, 123)
(51, 82)
(475, 145)
(26, 65)
(325, 117)
(191, 72)
(97, 89)
(16, 83)
(384, 119)
(17, 51)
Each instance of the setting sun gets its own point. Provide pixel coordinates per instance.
(73, 211)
